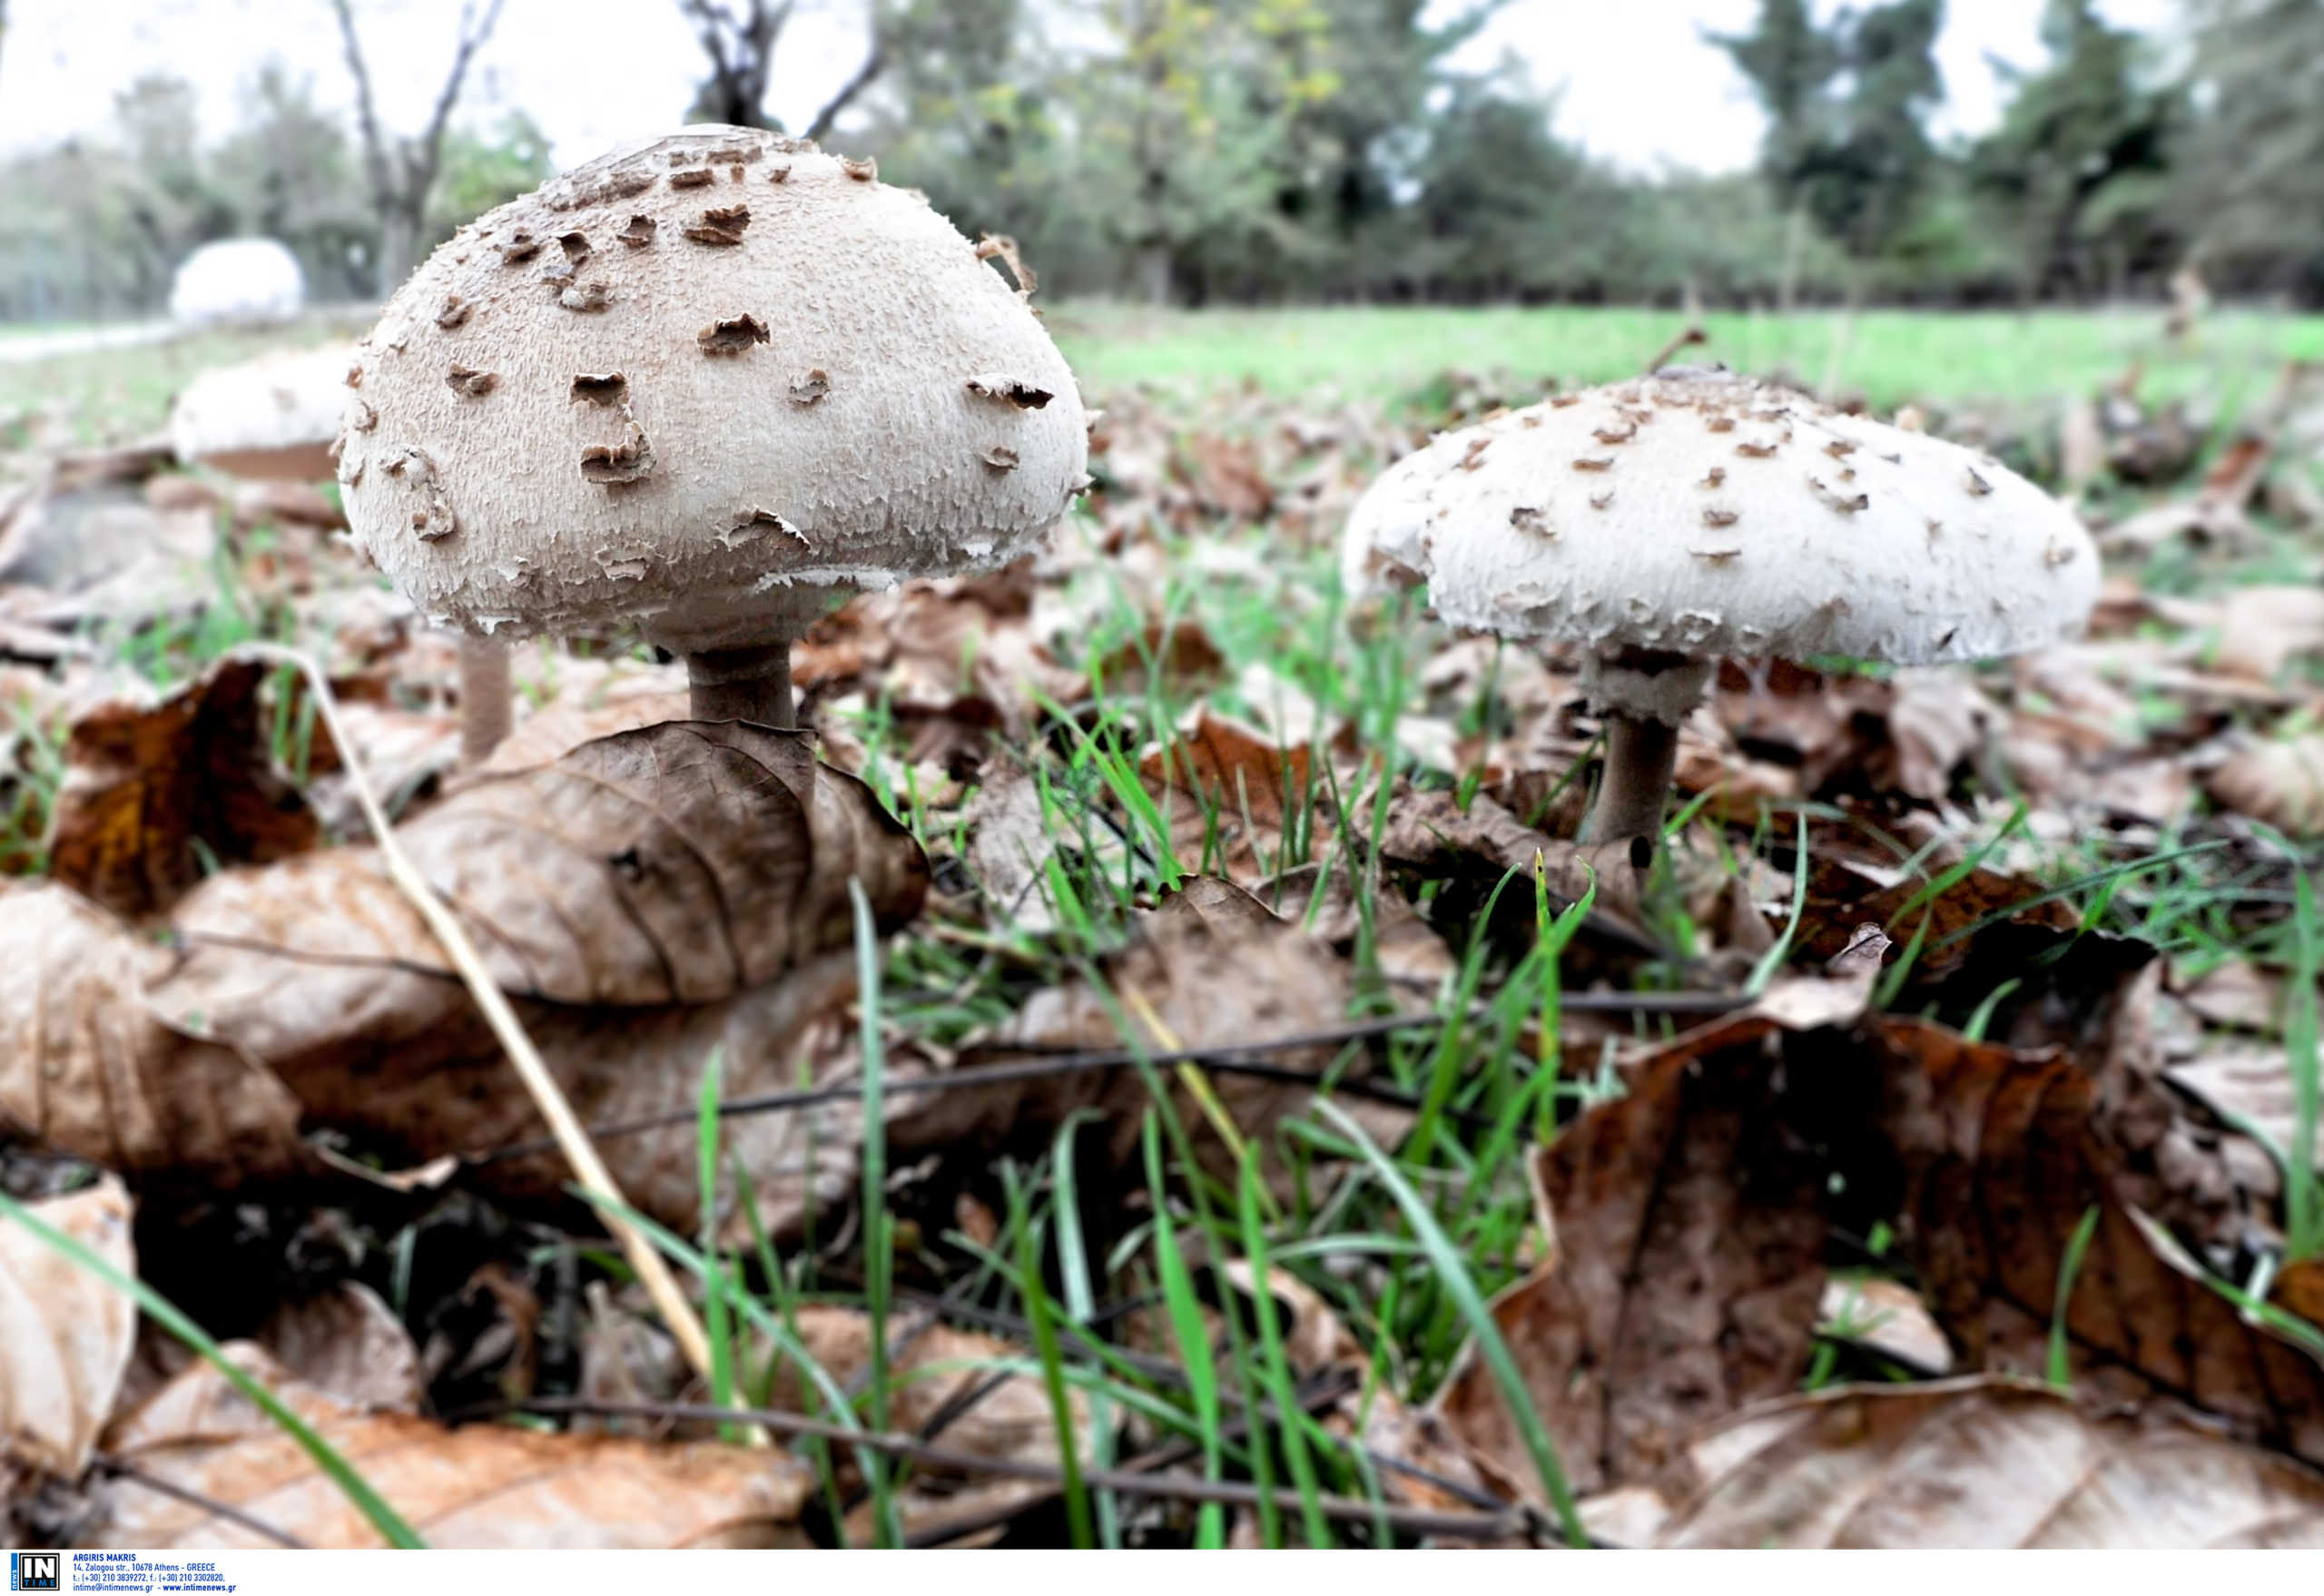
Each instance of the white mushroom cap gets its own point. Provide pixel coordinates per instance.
(238, 279)
(1702, 513)
(272, 418)
(697, 383)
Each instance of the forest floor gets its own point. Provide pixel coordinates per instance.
(1180, 1085)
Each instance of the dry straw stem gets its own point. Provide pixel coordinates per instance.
(653, 1272)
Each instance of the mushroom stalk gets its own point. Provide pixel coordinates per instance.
(1641, 756)
(484, 697)
(748, 684)
(1644, 694)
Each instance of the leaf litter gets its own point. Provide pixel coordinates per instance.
(1162, 847)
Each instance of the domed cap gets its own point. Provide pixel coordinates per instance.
(694, 383)
(272, 418)
(1702, 513)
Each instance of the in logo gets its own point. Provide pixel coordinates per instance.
(36, 1570)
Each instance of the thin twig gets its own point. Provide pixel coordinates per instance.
(1513, 1522)
(227, 1511)
(1228, 1059)
(653, 1272)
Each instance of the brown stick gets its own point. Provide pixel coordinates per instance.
(484, 697)
(750, 683)
(1641, 756)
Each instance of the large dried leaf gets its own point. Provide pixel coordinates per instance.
(1228, 793)
(2251, 1088)
(2002, 1154)
(679, 863)
(348, 1344)
(481, 1487)
(85, 1068)
(64, 1335)
(1687, 1236)
(1980, 1462)
(150, 784)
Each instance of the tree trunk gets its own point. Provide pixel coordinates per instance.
(1795, 234)
(398, 243)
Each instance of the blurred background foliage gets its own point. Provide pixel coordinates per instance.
(1205, 152)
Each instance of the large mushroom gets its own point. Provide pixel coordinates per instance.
(704, 383)
(1662, 523)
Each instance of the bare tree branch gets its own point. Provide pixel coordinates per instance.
(402, 172)
(865, 75)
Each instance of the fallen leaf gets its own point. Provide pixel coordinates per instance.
(348, 1346)
(2250, 1088)
(1887, 1317)
(1686, 1264)
(64, 1335)
(2279, 784)
(86, 1070)
(1229, 794)
(1980, 1462)
(481, 1487)
(150, 785)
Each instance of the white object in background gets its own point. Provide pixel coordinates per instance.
(239, 280)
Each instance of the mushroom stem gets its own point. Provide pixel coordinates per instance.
(1641, 754)
(484, 697)
(748, 684)
(1644, 694)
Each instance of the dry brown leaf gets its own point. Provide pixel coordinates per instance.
(148, 784)
(2249, 1088)
(64, 1335)
(2262, 629)
(2002, 1154)
(1687, 1224)
(1216, 968)
(1227, 792)
(85, 1068)
(2279, 784)
(1980, 1462)
(1843, 895)
(481, 1487)
(944, 1389)
(348, 1346)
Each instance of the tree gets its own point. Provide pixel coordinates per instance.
(741, 47)
(1790, 65)
(481, 171)
(2252, 189)
(402, 171)
(2079, 163)
(289, 174)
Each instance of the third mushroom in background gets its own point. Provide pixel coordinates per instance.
(1663, 523)
(705, 383)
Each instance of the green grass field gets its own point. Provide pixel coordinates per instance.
(1946, 360)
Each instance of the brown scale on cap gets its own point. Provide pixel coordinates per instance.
(865, 169)
(722, 225)
(1531, 518)
(453, 312)
(1714, 477)
(520, 247)
(575, 246)
(587, 297)
(610, 388)
(1000, 458)
(619, 465)
(470, 384)
(1009, 391)
(638, 233)
(1594, 463)
(734, 336)
(810, 386)
(1713, 515)
(700, 177)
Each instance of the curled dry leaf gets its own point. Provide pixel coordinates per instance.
(1983, 1462)
(149, 783)
(85, 1068)
(482, 1487)
(2279, 784)
(1230, 793)
(64, 1335)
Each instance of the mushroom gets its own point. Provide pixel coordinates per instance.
(1696, 513)
(272, 419)
(706, 383)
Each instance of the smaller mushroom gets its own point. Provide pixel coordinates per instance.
(2025, 575)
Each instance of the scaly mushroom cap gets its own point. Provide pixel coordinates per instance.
(1702, 513)
(696, 382)
(272, 418)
